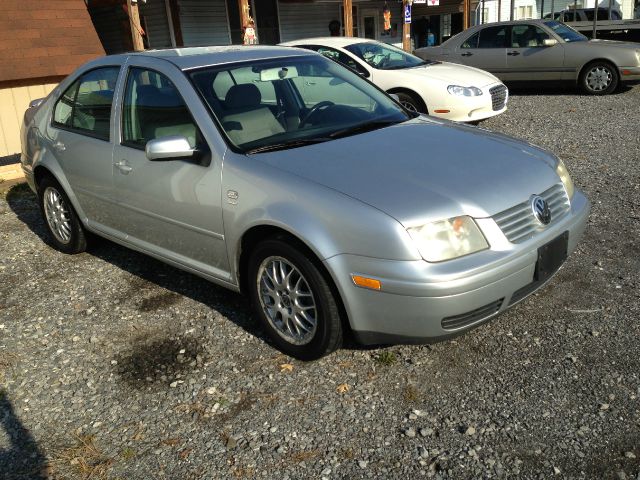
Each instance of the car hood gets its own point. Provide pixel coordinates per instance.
(425, 169)
(453, 74)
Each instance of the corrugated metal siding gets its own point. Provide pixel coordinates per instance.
(306, 20)
(13, 104)
(204, 22)
(156, 23)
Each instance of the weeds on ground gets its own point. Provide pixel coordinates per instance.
(82, 460)
(386, 357)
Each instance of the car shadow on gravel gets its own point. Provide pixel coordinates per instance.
(23, 459)
(549, 88)
(146, 270)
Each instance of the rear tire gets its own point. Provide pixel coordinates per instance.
(412, 102)
(599, 78)
(65, 229)
(294, 300)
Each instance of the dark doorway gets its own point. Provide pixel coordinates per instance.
(234, 22)
(456, 23)
(266, 17)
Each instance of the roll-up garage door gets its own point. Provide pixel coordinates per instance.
(204, 22)
(306, 20)
(155, 23)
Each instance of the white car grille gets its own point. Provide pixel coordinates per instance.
(519, 223)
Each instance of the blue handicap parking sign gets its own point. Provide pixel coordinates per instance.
(407, 13)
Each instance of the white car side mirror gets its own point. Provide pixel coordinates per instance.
(549, 42)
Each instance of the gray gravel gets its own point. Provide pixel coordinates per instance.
(117, 366)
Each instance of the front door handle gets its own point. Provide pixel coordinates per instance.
(123, 167)
(513, 54)
(59, 146)
(468, 54)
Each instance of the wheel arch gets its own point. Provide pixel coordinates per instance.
(40, 171)
(257, 233)
(412, 93)
(595, 60)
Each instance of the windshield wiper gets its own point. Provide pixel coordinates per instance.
(287, 145)
(362, 127)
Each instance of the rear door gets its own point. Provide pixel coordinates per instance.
(169, 208)
(529, 59)
(80, 136)
(485, 49)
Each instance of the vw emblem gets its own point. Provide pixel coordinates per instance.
(540, 209)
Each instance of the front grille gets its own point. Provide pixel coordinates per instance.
(498, 97)
(519, 224)
(464, 319)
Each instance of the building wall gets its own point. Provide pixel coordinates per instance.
(13, 103)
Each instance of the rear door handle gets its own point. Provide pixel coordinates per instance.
(513, 54)
(468, 54)
(59, 146)
(123, 167)
(310, 83)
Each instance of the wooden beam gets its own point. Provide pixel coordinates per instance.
(347, 8)
(134, 22)
(243, 7)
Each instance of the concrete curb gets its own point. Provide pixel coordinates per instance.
(11, 172)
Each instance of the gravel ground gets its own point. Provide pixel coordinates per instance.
(117, 366)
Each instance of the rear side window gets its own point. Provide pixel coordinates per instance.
(153, 108)
(493, 37)
(85, 106)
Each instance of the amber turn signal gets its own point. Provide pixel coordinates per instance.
(366, 282)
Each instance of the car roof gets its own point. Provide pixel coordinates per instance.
(513, 22)
(339, 42)
(188, 58)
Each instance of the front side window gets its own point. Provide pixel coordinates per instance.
(86, 105)
(493, 37)
(316, 100)
(384, 57)
(523, 36)
(153, 108)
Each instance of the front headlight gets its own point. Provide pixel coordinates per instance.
(464, 91)
(563, 173)
(448, 239)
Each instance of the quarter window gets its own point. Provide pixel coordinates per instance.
(86, 105)
(471, 42)
(153, 108)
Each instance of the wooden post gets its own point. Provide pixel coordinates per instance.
(511, 14)
(406, 29)
(499, 9)
(243, 6)
(347, 21)
(136, 29)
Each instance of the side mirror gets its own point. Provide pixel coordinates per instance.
(549, 42)
(173, 147)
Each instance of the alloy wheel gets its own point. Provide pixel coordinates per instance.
(287, 300)
(599, 78)
(57, 214)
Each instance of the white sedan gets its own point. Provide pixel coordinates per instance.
(446, 90)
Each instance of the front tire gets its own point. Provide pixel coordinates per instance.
(599, 78)
(294, 300)
(412, 102)
(64, 227)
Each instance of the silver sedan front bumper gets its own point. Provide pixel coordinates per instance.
(421, 302)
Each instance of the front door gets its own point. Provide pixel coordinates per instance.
(529, 59)
(370, 24)
(485, 49)
(169, 208)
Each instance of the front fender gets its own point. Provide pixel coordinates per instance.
(328, 222)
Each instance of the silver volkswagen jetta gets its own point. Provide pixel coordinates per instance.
(276, 172)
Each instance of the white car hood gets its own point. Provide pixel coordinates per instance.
(453, 74)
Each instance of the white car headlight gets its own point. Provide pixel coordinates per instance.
(464, 91)
(448, 239)
(563, 173)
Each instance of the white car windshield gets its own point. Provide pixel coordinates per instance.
(292, 101)
(385, 57)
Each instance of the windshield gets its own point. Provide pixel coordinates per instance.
(567, 33)
(385, 57)
(292, 101)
